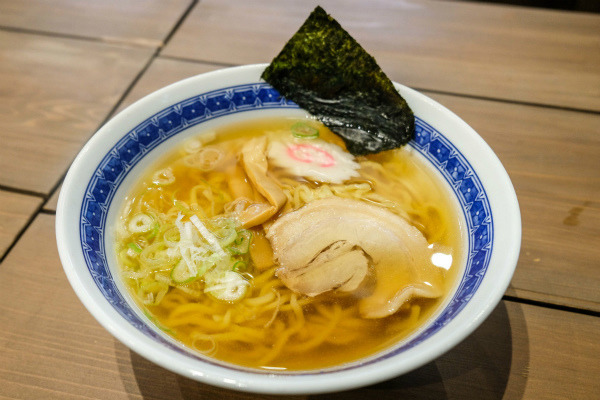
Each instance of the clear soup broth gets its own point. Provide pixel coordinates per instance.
(217, 287)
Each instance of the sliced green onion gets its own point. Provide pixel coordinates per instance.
(155, 230)
(181, 273)
(140, 223)
(224, 230)
(192, 146)
(209, 237)
(158, 324)
(135, 247)
(163, 177)
(156, 256)
(182, 207)
(241, 244)
(171, 236)
(304, 131)
(239, 266)
(229, 238)
(206, 265)
(152, 292)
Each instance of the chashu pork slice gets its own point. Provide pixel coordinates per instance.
(335, 243)
(346, 268)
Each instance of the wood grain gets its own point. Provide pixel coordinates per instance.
(512, 53)
(163, 72)
(58, 85)
(15, 210)
(51, 348)
(139, 22)
(55, 93)
(552, 158)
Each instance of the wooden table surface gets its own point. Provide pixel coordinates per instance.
(528, 80)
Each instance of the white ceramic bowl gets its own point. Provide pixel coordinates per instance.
(108, 165)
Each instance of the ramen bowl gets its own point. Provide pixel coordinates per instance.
(117, 156)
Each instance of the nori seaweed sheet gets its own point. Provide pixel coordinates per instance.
(327, 73)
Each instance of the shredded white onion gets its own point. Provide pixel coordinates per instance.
(210, 238)
(186, 245)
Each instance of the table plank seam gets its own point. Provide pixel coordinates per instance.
(26, 192)
(84, 38)
(198, 61)
(551, 306)
(177, 24)
(508, 101)
(21, 232)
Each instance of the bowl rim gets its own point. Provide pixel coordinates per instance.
(501, 192)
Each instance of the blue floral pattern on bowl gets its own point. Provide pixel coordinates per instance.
(134, 145)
